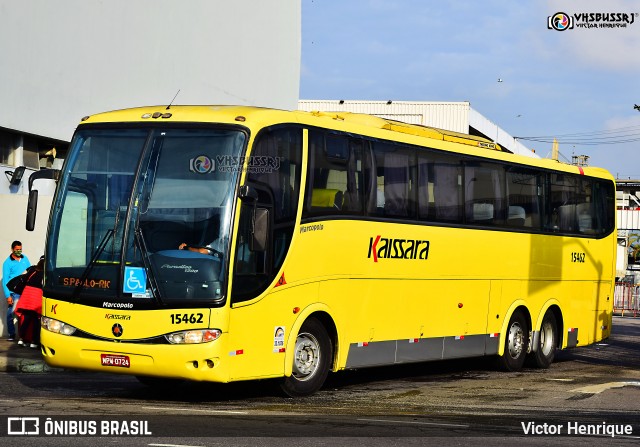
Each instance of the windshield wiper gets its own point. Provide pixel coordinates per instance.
(96, 254)
(139, 237)
(85, 274)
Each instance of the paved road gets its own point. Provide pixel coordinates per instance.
(454, 403)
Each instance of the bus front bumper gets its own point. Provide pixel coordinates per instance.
(198, 362)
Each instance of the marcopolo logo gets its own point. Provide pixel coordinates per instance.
(394, 248)
(561, 21)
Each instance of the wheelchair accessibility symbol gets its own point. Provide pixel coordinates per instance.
(135, 280)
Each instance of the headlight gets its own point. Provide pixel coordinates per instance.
(57, 327)
(194, 336)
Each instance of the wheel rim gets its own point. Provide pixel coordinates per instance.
(546, 339)
(516, 340)
(307, 356)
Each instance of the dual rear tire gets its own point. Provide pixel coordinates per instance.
(516, 344)
(547, 343)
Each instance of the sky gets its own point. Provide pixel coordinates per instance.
(578, 85)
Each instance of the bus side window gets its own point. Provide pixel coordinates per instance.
(395, 167)
(484, 193)
(603, 206)
(523, 198)
(277, 158)
(562, 203)
(447, 189)
(335, 175)
(584, 207)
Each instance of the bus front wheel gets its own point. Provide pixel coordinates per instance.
(311, 360)
(543, 356)
(515, 344)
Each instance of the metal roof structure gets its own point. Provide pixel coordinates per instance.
(454, 116)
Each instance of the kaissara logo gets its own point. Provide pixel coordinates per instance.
(395, 248)
(201, 164)
(560, 21)
(117, 317)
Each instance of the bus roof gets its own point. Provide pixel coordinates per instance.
(369, 125)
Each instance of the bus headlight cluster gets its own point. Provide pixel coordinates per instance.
(193, 336)
(57, 327)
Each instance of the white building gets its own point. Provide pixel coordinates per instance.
(64, 59)
(455, 116)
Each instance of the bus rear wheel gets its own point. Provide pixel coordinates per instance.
(543, 356)
(515, 344)
(311, 360)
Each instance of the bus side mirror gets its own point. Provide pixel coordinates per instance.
(32, 204)
(32, 207)
(260, 230)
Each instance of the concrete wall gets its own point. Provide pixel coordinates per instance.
(64, 59)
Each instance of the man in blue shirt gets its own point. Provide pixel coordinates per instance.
(14, 265)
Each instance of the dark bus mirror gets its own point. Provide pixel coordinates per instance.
(16, 176)
(32, 207)
(32, 204)
(260, 230)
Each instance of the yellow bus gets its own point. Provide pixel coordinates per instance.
(227, 243)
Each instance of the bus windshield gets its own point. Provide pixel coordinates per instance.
(143, 217)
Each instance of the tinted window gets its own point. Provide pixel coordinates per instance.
(395, 169)
(336, 175)
(274, 170)
(484, 193)
(524, 196)
(446, 172)
(356, 176)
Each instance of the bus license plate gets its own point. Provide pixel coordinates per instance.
(115, 360)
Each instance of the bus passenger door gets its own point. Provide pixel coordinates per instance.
(269, 205)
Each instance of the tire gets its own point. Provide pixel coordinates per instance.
(311, 360)
(516, 343)
(543, 356)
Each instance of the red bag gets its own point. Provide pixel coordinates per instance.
(31, 299)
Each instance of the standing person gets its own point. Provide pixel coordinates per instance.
(13, 266)
(29, 306)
